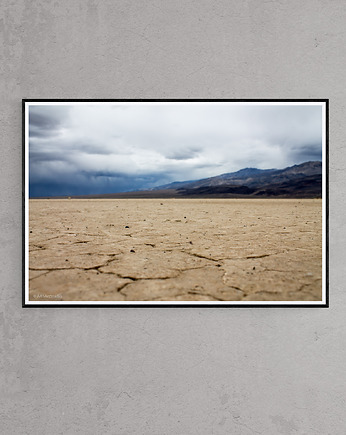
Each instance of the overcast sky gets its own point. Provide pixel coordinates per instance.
(104, 148)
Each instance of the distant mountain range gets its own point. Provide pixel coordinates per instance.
(298, 181)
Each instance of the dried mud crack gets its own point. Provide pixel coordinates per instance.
(176, 250)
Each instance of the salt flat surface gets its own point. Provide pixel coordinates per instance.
(175, 250)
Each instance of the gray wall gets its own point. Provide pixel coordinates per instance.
(170, 371)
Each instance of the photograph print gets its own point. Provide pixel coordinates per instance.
(175, 203)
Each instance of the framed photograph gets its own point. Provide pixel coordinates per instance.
(175, 203)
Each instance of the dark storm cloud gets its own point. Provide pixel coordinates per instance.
(307, 152)
(37, 157)
(183, 153)
(87, 184)
(46, 123)
(93, 148)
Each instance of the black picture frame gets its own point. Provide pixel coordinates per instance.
(133, 304)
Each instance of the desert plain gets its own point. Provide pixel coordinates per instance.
(175, 250)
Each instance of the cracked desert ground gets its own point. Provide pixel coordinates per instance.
(175, 250)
